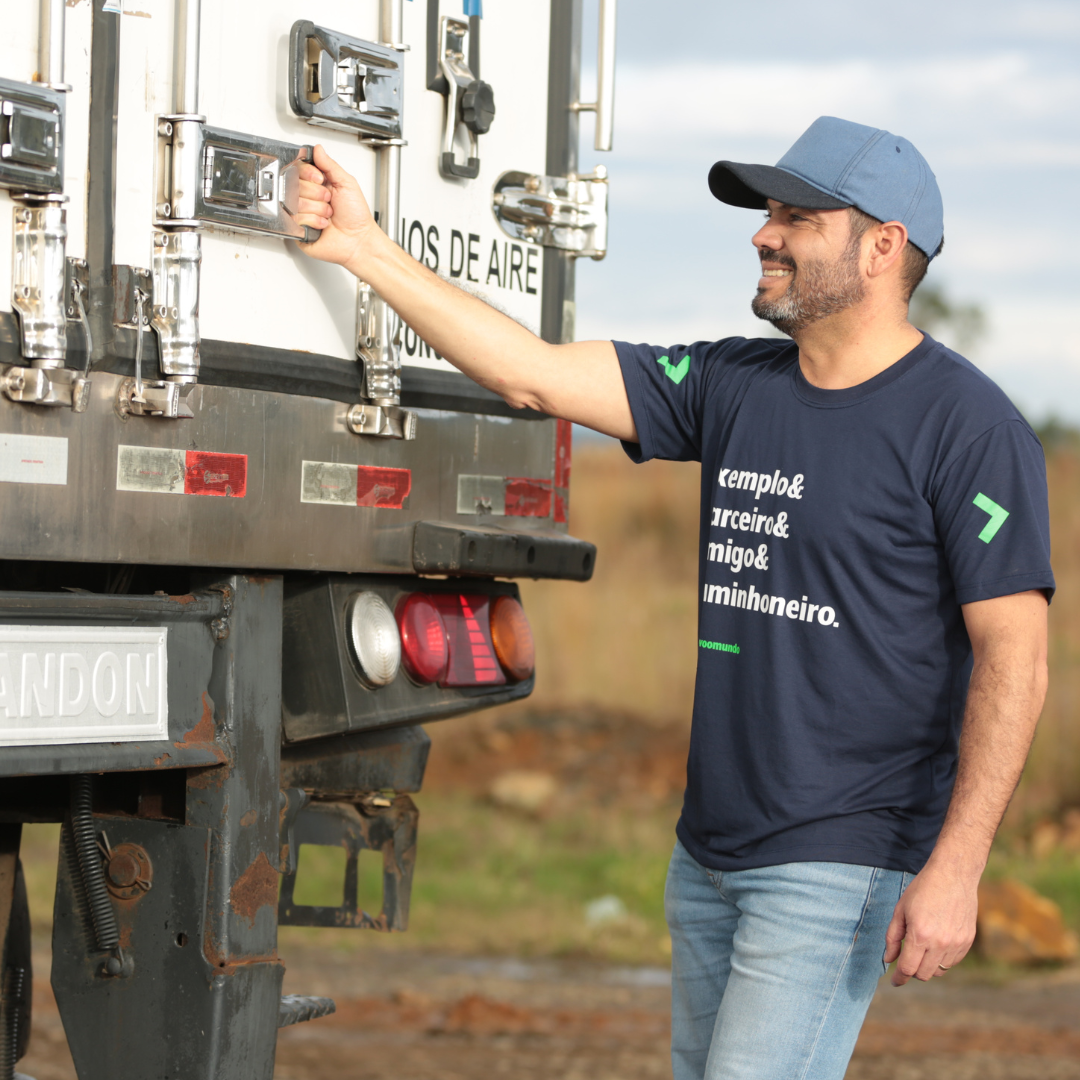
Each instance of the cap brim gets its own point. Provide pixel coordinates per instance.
(752, 185)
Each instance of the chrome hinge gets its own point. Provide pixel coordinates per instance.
(177, 258)
(378, 344)
(39, 275)
(565, 212)
(344, 82)
(59, 387)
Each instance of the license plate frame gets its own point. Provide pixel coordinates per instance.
(64, 685)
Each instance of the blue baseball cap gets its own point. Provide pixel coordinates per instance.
(835, 164)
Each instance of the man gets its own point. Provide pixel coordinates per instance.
(874, 535)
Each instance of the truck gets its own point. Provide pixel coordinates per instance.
(256, 532)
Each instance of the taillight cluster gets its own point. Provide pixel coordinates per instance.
(452, 639)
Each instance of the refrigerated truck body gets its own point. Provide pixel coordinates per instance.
(255, 531)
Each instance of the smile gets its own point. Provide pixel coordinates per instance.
(775, 273)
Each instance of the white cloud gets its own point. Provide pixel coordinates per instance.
(1050, 20)
(965, 102)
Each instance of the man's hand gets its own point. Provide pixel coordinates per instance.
(935, 920)
(331, 201)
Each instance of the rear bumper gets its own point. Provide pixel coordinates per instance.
(440, 548)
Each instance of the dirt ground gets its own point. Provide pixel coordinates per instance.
(415, 1016)
(419, 1014)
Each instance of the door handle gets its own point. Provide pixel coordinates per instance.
(604, 105)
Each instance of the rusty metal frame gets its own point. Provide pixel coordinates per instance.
(376, 824)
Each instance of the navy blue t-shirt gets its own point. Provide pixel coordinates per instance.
(841, 530)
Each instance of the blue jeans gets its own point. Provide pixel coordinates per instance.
(773, 969)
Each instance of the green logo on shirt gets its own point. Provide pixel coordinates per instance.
(718, 646)
(998, 514)
(675, 372)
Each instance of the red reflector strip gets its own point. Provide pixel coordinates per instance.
(382, 487)
(215, 474)
(338, 484)
(564, 432)
(468, 632)
(527, 498)
(179, 472)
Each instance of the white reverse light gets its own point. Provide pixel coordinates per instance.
(374, 639)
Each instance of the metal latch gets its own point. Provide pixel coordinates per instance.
(173, 310)
(383, 421)
(379, 347)
(344, 82)
(128, 282)
(57, 386)
(565, 212)
(210, 176)
(470, 101)
(46, 288)
(31, 137)
(77, 296)
(157, 397)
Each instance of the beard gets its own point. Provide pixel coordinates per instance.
(815, 290)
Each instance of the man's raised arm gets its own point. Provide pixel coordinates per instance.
(580, 381)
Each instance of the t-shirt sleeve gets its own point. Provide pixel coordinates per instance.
(993, 516)
(666, 392)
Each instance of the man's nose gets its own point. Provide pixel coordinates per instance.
(767, 237)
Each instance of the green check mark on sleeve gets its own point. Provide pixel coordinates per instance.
(998, 514)
(675, 372)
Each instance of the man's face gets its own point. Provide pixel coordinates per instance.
(810, 266)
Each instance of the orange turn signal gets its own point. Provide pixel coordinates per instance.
(512, 637)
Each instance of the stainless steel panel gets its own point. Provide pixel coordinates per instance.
(249, 510)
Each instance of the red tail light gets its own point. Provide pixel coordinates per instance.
(468, 631)
(424, 647)
(446, 638)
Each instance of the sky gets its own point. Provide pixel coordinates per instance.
(989, 92)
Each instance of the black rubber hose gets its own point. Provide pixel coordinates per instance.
(90, 865)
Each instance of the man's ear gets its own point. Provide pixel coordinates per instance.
(887, 242)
